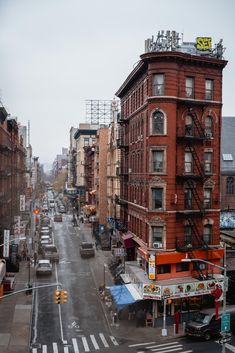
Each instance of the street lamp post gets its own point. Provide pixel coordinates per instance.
(223, 268)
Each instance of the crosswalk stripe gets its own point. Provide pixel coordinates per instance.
(95, 344)
(190, 351)
(85, 344)
(103, 340)
(66, 349)
(169, 347)
(55, 347)
(34, 350)
(44, 349)
(140, 344)
(114, 341)
(230, 347)
(166, 350)
(162, 345)
(75, 345)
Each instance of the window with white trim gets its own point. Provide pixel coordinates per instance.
(157, 198)
(158, 161)
(189, 126)
(188, 162)
(207, 233)
(189, 87)
(208, 162)
(157, 234)
(208, 89)
(208, 126)
(158, 123)
(207, 197)
(158, 84)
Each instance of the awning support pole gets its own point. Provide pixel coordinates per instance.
(164, 330)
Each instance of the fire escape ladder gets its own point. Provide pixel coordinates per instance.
(198, 236)
(195, 195)
(199, 271)
(196, 160)
(198, 125)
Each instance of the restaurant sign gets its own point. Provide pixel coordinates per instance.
(190, 289)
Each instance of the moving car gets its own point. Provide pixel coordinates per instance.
(87, 249)
(43, 267)
(50, 252)
(58, 218)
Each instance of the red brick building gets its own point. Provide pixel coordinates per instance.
(170, 129)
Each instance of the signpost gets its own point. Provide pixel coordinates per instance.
(225, 322)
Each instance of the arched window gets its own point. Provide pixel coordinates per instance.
(230, 185)
(189, 126)
(158, 123)
(209, 126)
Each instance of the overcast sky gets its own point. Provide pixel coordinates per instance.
(55, 54)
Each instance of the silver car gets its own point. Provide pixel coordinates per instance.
(50, 252)
(43, 267)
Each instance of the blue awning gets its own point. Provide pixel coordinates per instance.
(124, 295)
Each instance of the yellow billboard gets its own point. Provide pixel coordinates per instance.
(203, 43)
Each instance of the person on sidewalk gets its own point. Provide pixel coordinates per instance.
(140, 316)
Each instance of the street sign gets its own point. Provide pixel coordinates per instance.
(225, 322)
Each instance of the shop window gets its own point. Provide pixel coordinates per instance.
(158, 123)
(157, 198)
(163, 269)
(158, 84)
(209, 89)
(230, 186)
(86, 141)
(182, 266)
(189, 87)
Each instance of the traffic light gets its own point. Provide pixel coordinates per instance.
(57, 296)
(36, 211)
(64, 296)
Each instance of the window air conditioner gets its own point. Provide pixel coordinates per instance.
(157, 245)
(129, 170)
(208, 134)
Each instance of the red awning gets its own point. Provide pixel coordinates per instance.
(128, 241)
(144, 253)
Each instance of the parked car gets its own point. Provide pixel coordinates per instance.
(43, 267)
(58, 218)
(46, 237)
(50, 252)
(205, 325)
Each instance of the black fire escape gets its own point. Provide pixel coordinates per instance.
(123, 145)
(191, 179)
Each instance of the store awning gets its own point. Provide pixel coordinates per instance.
(124, 295)
(128, 241)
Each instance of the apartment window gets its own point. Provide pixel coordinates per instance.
(189, 125)
(182, 266)
(207, 198)
(188, 234)
(230, 185)
(157, 234)
(209, 89)
(163, 269)
(86, 141)
(188, 162)
(157, 161)
(188, 199)
(209, 126)
(189, 87)
(208, 162)
(157, 198)
(158, 123)
(207, 232)
(158, 84)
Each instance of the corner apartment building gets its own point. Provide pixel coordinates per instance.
(170, 129)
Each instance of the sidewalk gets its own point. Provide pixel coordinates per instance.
(15, 316)
(123, 329)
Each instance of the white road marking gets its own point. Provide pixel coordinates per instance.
(166, 350)
(75, 345)
(103, 340)
(230, 347)
(66, 349)
(169, 347)
(34, 350)
(162, 345)
(55, 347)
(140, 344)
(44, 349)
(85, 344)
(113, 339)
(95, 344)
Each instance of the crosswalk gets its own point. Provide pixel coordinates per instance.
(174, 347)
(78, 345)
